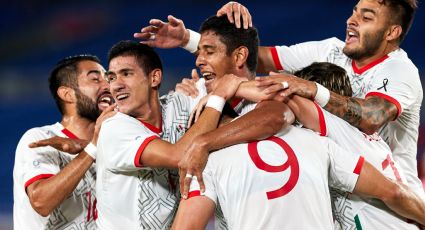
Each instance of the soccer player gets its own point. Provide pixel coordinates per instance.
(387, 92)
(133, 159)
(52, 189)
(350, 210)
(282, 183)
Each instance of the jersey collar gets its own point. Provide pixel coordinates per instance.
(152, 128)
(368, 66)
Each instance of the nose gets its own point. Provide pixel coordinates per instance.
(352, 20)
(200, 60)
(117, 85)
(104, 86)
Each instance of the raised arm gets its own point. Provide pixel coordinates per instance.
(173, 34)
(47, 194)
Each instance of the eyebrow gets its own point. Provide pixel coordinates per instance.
(94, 71)
(365, 10)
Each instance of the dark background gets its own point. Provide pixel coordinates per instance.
(34, 35)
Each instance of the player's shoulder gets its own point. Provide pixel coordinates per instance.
(39, 133)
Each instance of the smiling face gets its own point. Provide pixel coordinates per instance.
(129, 85)
(366, 30)
(212, 59)
(92, 93)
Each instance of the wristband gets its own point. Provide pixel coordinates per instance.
(216, 102)
(192, 44)
(91, 150)
(322, 95)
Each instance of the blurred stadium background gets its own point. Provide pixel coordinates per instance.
(36, 34)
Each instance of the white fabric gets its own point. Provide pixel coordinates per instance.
(77, 211)
(371, 214)
(395, 78)
(234, 178)
(132, 197)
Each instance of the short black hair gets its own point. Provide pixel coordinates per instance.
(329, 75)
(65, 73)
(233, 37)
(147, 58)
(402, 13)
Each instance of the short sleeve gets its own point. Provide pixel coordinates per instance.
(122, 141)
(398, 82)
(38, 163)
(295, 57)
(344, 168)
(210, 189)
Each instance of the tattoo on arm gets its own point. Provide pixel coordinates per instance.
(366, 114)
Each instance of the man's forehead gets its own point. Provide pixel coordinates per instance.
(87, 66)
(122, 62)
(210, 38)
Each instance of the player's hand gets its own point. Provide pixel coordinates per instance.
(107, 113)
(72, 146)
(225, 86)
(188, 86)
(285, 85)
(197, 110)
(161, 34)
(192, 164)
(234, 11)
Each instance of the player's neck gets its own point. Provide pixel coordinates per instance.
(364, 61)
(151, 113)
(81, 127)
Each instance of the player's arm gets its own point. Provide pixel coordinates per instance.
(47, 194)
(367, 114)
(194, 213)
(174, 34)
(159, 153)
(265, 120)
(397, 196)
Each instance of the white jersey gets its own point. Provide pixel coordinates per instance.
(279, 183)
(351, 211)
(393, 77)
(77, 211)
(131, 196)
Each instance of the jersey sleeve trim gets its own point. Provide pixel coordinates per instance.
(275, 58)
(322, 122)
(359, 165)
(194, 193)
(388, 98)
(141, 149)
(36, 178)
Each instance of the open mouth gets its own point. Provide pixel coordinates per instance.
(208, 75)
(352, 36)
(122, 96)
(105, 100)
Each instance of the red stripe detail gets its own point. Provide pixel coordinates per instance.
(140, 150)
(359, 166)
(152, 128)
(36, 178)
(388, 98)
(275, 57)
(194, 193)
(235, 102)
(368, 66)
(322, 121)
(69, 133)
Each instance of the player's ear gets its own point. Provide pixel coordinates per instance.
(155, 78)
(240, 55)
(66, 94)
(394, 32)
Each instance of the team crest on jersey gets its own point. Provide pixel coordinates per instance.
(36, 164)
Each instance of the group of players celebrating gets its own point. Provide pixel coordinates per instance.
(326, 141)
